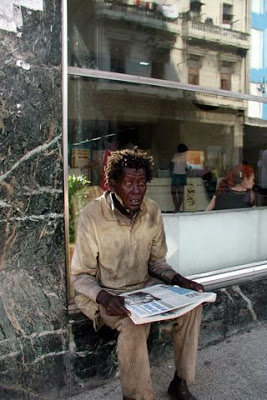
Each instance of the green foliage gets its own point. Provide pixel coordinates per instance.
(76, 186)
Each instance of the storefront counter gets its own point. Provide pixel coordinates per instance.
(196, 198)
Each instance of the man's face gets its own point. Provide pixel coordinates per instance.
(131, 188)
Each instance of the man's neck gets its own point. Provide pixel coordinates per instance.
(120, 207)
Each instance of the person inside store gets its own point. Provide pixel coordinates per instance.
(110, 145)
(178, 176)
(121, 246)
(209, 179)
(235, 190)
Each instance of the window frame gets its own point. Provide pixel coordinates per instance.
(215, 278)
(193, 76)
(226, 81)
(227, 17)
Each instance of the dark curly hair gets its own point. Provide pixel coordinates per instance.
(135, 158)
(182, 148)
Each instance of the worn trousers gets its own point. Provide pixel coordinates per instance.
(133, 356)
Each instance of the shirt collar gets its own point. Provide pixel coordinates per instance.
(112, 213)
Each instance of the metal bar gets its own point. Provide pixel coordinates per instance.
(114, 76)
(233, 275)
(65, 135)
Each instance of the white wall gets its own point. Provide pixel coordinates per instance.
(254, 107)
(203, 242)
(257, 6)
(256, 49)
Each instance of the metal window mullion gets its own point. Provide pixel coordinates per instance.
(64, 30)
(114, 76)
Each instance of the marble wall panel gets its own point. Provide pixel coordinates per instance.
(34, 335)
(31, 174)
(34, 364)
(12, 377)
(36, 240)
(33, 300)
(34, 343)
(38, 36)
(95, 355)
(42, 33)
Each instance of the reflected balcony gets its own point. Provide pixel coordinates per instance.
(146, 17)
(208, 101)
(216, 34)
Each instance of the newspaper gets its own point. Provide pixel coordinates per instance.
(161, 302)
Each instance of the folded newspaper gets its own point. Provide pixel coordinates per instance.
(161, 302)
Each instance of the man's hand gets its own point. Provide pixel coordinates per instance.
(187, 283)
(113, 304)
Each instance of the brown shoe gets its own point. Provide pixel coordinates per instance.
(178, 389)
(127, 398)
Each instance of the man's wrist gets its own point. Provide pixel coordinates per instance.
(177, 279)
(181, 281)
(102, 297)
(187, 283)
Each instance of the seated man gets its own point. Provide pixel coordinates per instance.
(121, 246)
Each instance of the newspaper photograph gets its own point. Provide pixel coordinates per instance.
(161, 302)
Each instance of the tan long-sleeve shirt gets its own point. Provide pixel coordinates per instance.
(115, 253)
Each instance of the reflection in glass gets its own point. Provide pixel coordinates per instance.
(214, 54)
(184, 41)
(191, 42)
(105, 115)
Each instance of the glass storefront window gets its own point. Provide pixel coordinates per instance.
(160, 75)
(169, 43)
(105, 115)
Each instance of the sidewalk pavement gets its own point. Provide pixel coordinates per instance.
(232, 370)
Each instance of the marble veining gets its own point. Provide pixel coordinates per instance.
(225, 291)
(35, 217)
(28, 155)
(249, 302)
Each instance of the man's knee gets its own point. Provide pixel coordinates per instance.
(191, 316)
(126, 325)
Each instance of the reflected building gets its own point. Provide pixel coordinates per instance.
(160, 56)
(258, 60)
(255, 139)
